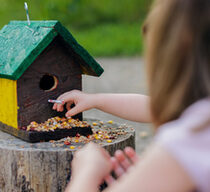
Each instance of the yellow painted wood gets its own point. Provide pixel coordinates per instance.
(8, 102)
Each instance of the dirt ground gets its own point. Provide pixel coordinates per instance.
(121, 75)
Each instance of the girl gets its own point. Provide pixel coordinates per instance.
(177, 37)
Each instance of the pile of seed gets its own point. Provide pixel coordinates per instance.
(102, 133)
(56, 123)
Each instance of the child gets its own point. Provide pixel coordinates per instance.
(178, 65)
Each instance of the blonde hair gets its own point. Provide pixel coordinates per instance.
(177, 55)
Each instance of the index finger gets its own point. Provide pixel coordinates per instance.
(55, 106)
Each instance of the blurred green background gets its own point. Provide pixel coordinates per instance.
(103, 27)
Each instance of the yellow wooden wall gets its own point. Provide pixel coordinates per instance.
(8, 102)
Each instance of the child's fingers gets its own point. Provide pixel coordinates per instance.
(54, 106)
(75, 110)
(124, 162)
(65, 98)
(60, 107)
(131, 154)
(109, 179)
(118, 170)
(68, 106)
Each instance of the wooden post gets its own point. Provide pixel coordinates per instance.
(43, 167)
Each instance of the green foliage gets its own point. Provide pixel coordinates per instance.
(93, 20)
(77, 13)
(111, 39)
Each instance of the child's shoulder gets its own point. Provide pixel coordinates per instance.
(191, 129)
(196, 117)
(187, 139)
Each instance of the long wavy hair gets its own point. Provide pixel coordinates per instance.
(177, 38)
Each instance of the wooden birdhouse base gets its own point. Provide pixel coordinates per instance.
(35, 136)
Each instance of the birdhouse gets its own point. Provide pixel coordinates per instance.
(37, 62)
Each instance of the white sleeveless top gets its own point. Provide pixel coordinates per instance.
(188, 141)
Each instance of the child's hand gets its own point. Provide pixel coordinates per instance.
(121, 162)
(92, 162)
(81, 100)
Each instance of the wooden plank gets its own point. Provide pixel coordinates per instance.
(34, 136)
(8, 102)
(32, 100)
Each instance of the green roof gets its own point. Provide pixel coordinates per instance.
(21, 44)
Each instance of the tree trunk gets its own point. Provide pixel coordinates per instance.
(42, 167)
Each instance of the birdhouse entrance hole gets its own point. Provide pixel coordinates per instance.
(48, 82)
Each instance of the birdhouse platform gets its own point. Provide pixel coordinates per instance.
(38, 62)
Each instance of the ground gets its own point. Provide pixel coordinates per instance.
(122, 75)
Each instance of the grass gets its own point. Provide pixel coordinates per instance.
(109, 40)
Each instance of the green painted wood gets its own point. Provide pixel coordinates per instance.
(90, 66)
(21, 44)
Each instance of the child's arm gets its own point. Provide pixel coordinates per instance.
(158, 171)
(132, 107)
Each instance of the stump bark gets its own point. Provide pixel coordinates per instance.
(43, 167)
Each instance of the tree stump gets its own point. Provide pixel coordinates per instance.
(46, 167)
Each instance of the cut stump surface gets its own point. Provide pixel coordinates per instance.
(45, 167)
